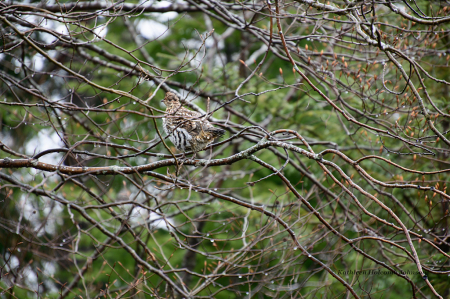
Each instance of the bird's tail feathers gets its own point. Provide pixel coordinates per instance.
(217, 133)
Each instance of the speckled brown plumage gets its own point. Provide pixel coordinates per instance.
(188, 130)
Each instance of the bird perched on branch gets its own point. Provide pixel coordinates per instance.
(188, 130)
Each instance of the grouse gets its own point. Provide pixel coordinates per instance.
(188, 130)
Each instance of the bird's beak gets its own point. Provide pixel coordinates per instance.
(162, 100)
